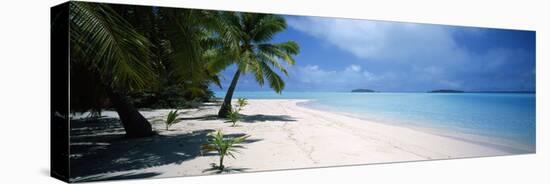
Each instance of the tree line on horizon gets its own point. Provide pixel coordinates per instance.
(125, 57)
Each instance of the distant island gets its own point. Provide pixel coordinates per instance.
(446, 91)
(362, 91)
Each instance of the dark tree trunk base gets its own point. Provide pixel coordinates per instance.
(133, 122)
(224, 110)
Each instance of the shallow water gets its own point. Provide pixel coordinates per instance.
(509, 116)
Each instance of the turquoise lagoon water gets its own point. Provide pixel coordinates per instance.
(506, 116)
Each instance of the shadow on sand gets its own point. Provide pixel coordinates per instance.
(263, 118)
(246, 118)
(214, 169)
(100, 146)
(132, 175)
(203, 118)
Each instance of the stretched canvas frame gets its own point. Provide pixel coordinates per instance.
(153, 60)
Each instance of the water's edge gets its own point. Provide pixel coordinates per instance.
(482, 140)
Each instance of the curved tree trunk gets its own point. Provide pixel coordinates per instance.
(226, 105)
(133, 122)
(221, 162)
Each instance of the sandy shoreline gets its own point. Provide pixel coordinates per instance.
(283, 135)
(490, 141)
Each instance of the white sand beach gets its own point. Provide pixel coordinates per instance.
(283, 135)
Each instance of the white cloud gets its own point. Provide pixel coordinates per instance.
(407, 56)
(353, 68)
(350, 77)
(369, 76)
(381, 40)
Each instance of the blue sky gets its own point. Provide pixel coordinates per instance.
(345, 54)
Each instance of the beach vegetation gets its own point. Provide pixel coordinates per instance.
(234, 116)
(223, 146)
(241, 103)
(171, 119)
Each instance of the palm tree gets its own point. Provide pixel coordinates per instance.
(246, 38)
(189, 33)
(106, 49)
(224, 146)
(181, 40)
(121, 50)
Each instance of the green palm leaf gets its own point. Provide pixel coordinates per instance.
(106, 43)
(223, 146)
(172, 118)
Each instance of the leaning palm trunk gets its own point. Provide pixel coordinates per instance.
(133, 122)
(226, 106)
(106, 44)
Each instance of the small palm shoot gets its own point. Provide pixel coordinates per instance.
(234, 116)
(172, 119)
(241, 102)
(223, 146)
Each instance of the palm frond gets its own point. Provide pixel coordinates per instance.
(256, 69)
(285, 50)
(242, 102)
(272, 61)
(218, 59)
(230, 29)
(223, 146)
(266, 27)
(234, 116)
(109, 44)
(275, 81)
(171, 119)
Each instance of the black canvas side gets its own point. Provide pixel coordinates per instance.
(59, 91)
